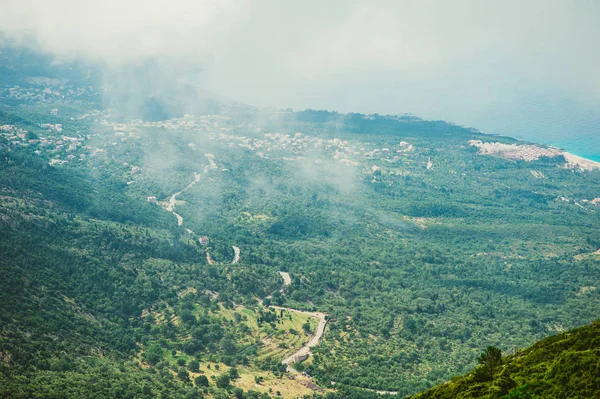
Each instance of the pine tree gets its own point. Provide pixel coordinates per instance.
(490, 359)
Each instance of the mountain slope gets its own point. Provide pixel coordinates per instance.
(563, 366)
(118, 236)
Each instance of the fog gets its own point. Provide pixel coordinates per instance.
(519, 68)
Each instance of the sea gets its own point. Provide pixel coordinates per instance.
(575, 132)
(586, 146)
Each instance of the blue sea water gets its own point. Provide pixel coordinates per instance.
(586, 146)
(582, 141)
(563, 124)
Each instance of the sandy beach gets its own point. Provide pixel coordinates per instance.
(583, 163)
(533, 152)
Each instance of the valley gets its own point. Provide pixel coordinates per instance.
(250, 251)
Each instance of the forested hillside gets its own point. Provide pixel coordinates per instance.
(563, 366)
(143, 257)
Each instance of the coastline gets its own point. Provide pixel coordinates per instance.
(586, 162)
(581, 162)
(527, 151)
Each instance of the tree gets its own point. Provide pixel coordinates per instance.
(385, 332)
(32, 136)
(237, 317)
(183, 374)
(233, 373)
(187, 317)
(223, 381)
(153, 354)
(306, 327)
(228, 345)
(194, 365)
(521, 392)
(490, 359)
(201, 381)
(505, 382)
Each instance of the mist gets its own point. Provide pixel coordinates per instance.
(523, 69)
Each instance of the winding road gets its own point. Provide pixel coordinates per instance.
(170, 206)
(304, 351)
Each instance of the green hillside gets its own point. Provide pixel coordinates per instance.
(563, 366)
(141, 258)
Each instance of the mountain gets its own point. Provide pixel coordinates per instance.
(189, 253)
(562, 366)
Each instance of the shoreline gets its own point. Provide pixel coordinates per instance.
(571, 158)
(582, 162)
(591, 158)
(522, 150)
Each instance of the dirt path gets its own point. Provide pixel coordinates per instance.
(209, 259)
(303, 352)
(236, 255)
(170, 205)
(179, 219)
(287, 280)
(372, 390)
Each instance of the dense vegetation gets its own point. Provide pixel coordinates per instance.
(482, 259)
(421, 251)
(563, 366)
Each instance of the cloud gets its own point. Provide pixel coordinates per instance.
(471, 62)
(117, 31)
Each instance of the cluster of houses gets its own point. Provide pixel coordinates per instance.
(208, 122)
(44, 94)
(298, 146)
(525, 152)
(276, 146)
(272, 145)
(58, 148)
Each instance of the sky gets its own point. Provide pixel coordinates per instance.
(527, 69)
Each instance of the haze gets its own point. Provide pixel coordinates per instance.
(526, 69)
